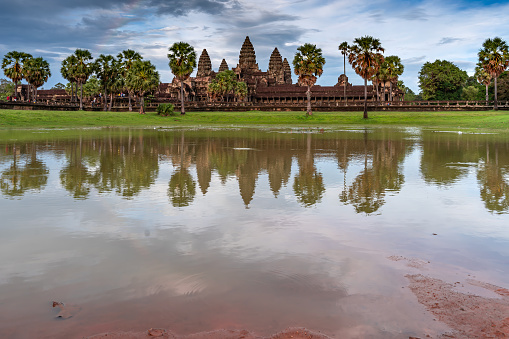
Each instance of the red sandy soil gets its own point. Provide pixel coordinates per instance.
(471, 316)
(294, 333)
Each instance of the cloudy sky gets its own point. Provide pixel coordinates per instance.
(417, 31)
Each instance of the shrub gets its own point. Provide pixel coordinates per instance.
(166, 109)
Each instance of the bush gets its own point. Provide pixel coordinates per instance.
(166, 109)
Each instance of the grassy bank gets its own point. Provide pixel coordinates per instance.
(492, 120)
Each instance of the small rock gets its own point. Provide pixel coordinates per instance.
(156, 332)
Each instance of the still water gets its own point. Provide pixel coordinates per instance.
(258, 229)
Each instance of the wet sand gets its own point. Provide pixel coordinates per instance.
(469, 309)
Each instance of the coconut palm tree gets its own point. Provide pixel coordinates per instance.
(67, 71)
(345, 49)
(484, 78)
(127, 58)
(182, 63)
(308, 64)
(494, 58)
(394, 69)
(83, 69)
(12, 64)
(142, 78)
(364, 60)
(37, 72)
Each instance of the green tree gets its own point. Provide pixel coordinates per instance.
(37, 72)
(441, 80)
(366, 59)
(12, 64)
(225, 84)
(68, 73)
(6, 89)
(345, 50)
(104, 67)
(58, 85)
(494, 58)
(142, 78)
(470, 93)
(484, 78)
(308, 64)
(127, 58)
(182, 63)
(82, 70)
(394, 70)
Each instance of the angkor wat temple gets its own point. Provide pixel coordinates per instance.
(268, 90)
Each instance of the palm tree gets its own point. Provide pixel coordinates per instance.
(483, 77)
(141, 78)
(366, 59)
(83, 69)
(127, 58)
(182, 62)
(67, 71)
(12, 64)
(308, 64)
(394, 69)
(345, 49)
(494, 58)
(104, 69)
(37, 72)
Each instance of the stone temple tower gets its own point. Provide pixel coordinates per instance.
(287, 72)
(247, 58)
(276, 69)
(223, 66)
(204, 65)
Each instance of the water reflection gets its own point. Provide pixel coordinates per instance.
(369, 162)
(22, 176)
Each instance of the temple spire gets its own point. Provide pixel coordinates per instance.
(223, 66)
(247, 57)
(276, 70)
(204, 65)
(287, 72)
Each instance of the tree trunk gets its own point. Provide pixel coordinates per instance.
(15, 90)
(130, 104)
(105, 98)
(35, 98)
(182, 110)
(344, 85)
(111, 102)
(495, 106)
(390, 91)
(28, 92)
(81, 96)
(308, 93)
(366, 99)
(72, 91)
(142, 105)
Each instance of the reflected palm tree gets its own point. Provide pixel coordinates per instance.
(16, 180)
(308, 184)
(126, 169)
(494, 189)
(182, 188)
(75, 177)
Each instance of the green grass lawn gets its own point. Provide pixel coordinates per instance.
(490, 120)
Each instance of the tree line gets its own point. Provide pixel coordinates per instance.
(128, 72)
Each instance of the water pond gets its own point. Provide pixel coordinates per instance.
(260, 229)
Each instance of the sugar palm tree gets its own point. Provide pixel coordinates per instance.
(82, 70)
(182, 63)
(127, 58)
(142, 78)
(494, 58)
(345, 49)
(37, 72)
(12, 64)
(364, 60)
(394, 69)
(67, 71)
(308, 64)
(484, 78)
(104, 69)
